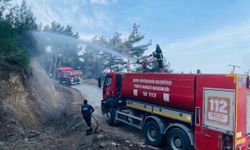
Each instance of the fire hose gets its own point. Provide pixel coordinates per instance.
(97, 124)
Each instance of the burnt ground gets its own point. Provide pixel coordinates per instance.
(68, 131)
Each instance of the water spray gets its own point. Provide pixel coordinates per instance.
(55, 38)
(67, 41)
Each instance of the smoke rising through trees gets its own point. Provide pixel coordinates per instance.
(22, 37)
(93, 57)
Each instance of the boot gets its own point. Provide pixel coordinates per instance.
(89, 131)
(162, 70)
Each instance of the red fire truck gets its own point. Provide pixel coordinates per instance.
(69, 76)
(183, 111)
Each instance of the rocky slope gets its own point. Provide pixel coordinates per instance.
(27, 103)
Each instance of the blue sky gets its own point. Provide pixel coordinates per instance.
(204, 34)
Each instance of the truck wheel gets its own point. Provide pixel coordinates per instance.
(152, 134)
(67, 82)
(110, 116)
(177, 139)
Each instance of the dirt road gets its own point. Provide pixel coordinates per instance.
(91, 92)
(94, 96)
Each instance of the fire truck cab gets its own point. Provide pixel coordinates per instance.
(69, 76)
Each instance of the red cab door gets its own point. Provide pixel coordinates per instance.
(107, 87)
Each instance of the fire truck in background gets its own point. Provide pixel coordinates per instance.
(185, 111)
(69, 76)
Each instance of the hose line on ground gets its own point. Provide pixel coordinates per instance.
(97, 124)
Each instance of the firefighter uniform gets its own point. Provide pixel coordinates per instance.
(159, 56)
(87, 111)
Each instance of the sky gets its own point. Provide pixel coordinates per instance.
(193, 34)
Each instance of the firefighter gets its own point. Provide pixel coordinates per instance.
(99, 82)
(87, 111)
(159, 57)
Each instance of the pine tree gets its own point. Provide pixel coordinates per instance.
(130, 48)
(127, 49)
(14, 38)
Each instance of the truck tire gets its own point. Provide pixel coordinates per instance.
(68, 82)
(110, 116)
(152, 134)
(177, 139)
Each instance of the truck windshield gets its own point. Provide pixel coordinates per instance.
(65, 75)
(108, 81)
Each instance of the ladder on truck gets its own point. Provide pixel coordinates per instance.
(128, 118)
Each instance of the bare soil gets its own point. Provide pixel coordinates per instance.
(68, 131)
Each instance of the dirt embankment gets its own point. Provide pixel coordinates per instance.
(29, 104)
(17, 108)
